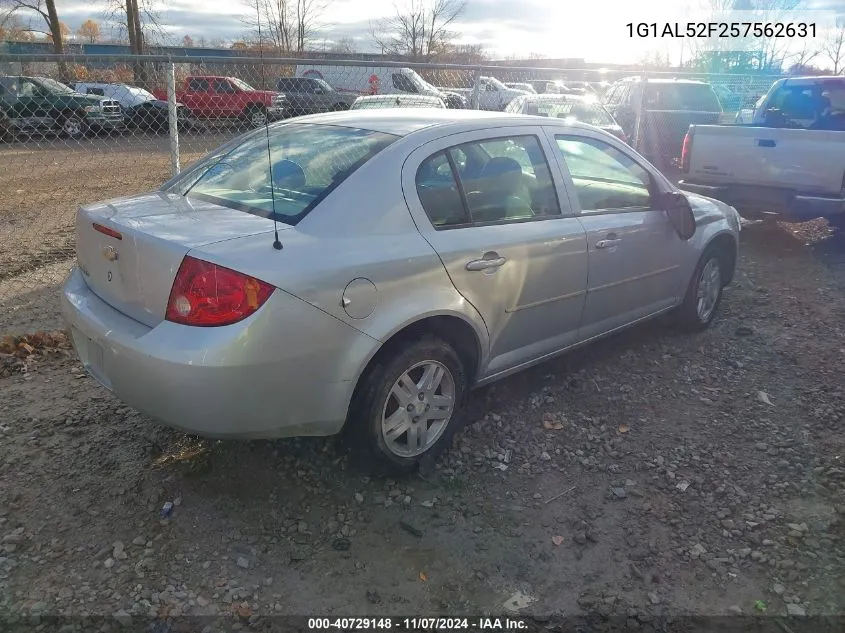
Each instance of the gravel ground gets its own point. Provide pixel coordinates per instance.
(652, 474)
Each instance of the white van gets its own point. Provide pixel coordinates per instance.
(371, 80)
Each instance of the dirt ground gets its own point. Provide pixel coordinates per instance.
(652, 474)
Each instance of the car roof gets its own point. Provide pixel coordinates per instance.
(800, 81)
(405, 121)
(667, 80)
(560, 97)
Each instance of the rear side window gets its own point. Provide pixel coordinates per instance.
(438, 192)
(690, 97)
(306, 163)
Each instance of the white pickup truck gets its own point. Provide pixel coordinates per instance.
(789, 164)
(792, 175)
(489, 94)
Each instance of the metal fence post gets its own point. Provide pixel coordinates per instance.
(476, 84)
(638, 114)
(172, 119)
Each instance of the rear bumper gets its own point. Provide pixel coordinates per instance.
(770, 200)
(247, 380)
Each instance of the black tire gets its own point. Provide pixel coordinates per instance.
(257, 116)
(689, 316)
(73, 126)
(837, 222)
(374, 400)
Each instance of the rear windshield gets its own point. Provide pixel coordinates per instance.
(689, 97)
(590, 113)
(306, 163)
(809, 102)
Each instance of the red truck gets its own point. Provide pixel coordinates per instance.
(213, 97)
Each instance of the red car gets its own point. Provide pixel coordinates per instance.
(213, 97)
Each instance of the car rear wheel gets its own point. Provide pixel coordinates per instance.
(407, 406)
(704, 294)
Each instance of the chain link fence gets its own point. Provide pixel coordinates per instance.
(79, 129)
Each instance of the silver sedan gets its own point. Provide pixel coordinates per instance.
(376, 266)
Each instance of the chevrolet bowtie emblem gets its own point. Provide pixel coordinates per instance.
(110, 253)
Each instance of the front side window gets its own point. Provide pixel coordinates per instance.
(198, 85)
(403, 83)
(604, 177)
(509, 180)
(240, 84)
(222, 86)
(306, 163)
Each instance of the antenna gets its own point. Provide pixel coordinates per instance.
(276, 243)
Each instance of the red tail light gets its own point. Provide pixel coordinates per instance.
(107, 231)
(686, 150)
(208, 295)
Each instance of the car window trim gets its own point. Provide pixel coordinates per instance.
(459, 182)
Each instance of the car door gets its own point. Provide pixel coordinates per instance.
(198, 97)
(487, 202)
(223, 98)
(635, 254)
(33, 104)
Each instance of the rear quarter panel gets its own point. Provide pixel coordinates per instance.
(362, 230)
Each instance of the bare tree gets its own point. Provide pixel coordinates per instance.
(288, 26)
(802, 58)
(833, 47)
(418, 29)
(188, 41)
(342, 46)
(45, 9)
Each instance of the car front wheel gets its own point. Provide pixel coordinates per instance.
(408, 404)
(704, 293)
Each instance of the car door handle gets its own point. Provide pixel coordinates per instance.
(766, 142)
(607, 243)
(485, 264)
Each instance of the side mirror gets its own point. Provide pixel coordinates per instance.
(680, 213)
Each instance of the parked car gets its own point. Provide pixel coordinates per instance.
(360, 80)
(310, 95)
(803, 102)
(214, 97)
(141, 109)
(670, 106)
(729, 100)
(41, 104)
(792, 175)
(574, 107)
(521, 86)
(368, 314)
(369, 102)
(490, 94)
(544, 86)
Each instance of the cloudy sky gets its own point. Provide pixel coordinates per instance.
(595, 31)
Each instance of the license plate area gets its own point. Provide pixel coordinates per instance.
(93, 357)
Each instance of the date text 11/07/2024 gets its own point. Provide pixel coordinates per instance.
(721, 29)
(418, 624)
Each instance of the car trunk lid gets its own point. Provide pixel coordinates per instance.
(130, 249)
